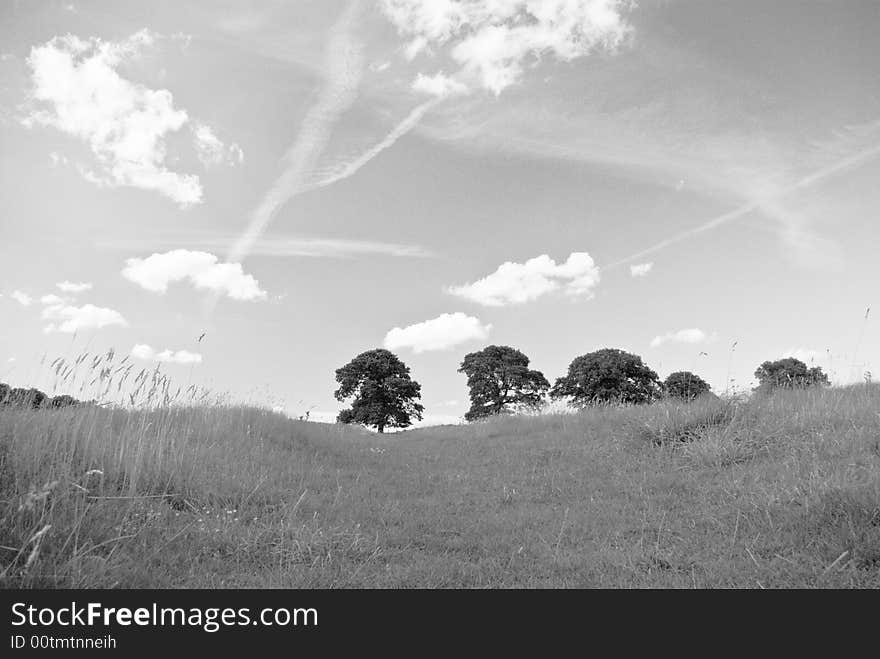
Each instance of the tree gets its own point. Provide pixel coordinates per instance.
(608, 375)
(789, 373)
(62, 401)
(20, 397)
(4, 392)
(500, 380)
(384, 395)
(685, 385)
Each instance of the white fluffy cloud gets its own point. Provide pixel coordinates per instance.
(146, 353)
(69, 319)
(51, 298)
(494, 40)
(22, 298)
(211, 150)
(516, 283)
(74, 287)
(77, 90)
(440, 333)
(640, 269)
(439, 85)
(201, 269)
(690, 335)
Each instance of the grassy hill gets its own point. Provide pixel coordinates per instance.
(774, 492)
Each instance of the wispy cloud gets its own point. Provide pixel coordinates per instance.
(144, 352)
(441, 333)
(275, 245)
(342, 74)
(516, 283)
(690, 335)
(640, 269)
(202, 270)
(439, 85)
(343, 170)
(211, 151)
(22, 298)
(74, 287)
(770, 201)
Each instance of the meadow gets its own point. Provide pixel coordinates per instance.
(776, 491)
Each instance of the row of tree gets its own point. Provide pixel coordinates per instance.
(33, 398)
(500, 381)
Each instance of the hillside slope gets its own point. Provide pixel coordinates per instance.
(783, 492)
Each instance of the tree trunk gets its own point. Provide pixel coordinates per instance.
(380, 428)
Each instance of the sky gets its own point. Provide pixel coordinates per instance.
(249, 194)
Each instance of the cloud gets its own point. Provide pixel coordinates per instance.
(74, 287)
(517, 283)
(146, 353)
(276, 245)
(51, 298)
(77, 90)
(56, 159)
(640, 269)
(494, 41)
(691, 335)
(343, 69)
(343, 170)
(769, 188)
(201, 269)
(88, 316)
(22, 298)
(211, 151)
(438, 85)
(440, 333)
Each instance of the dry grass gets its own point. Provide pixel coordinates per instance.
(775, 492)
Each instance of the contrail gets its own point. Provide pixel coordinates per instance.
(343, 70)
(409, 122)
(855, 160)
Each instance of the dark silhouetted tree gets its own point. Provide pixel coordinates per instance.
(685, 385)
(384, 394)
(500, 381)
(608, 375)
(789, 373)
(4, 392)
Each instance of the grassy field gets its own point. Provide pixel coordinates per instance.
(774, 492)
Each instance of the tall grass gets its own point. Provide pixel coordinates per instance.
(774, 491)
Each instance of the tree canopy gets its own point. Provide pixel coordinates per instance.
(608, 375)
(383, 392)
(685, 385)
(20, 397)
(500, 380)
(789, 373)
